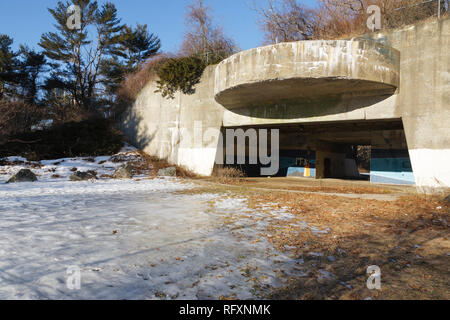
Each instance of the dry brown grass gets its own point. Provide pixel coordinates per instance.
(134, 83)
(320, 189)
(355, 34)
(290, 20)
(407, 238)
(229, 175)
(305, 185)
(183, 172)
(343, 190)
(146, 164)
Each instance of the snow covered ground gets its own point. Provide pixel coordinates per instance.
(61, 169)
(131, 239)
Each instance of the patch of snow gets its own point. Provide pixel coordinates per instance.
(12, 159)
(324, 274)
(61, 169)
(319, 232)
(131, 239)
(316, 254)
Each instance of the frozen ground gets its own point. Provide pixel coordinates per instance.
(133, 239)
(61, 169)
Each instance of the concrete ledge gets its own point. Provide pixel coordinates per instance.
(290, 72)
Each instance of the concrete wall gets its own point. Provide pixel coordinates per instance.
(423, 99)
(165, 128)
(184, 130)
(391, 166)
(287, 73)
(337, 164)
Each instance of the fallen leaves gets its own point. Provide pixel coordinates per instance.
(369, 232)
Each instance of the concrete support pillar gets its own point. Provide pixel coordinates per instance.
(429, 149)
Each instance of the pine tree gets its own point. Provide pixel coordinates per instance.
(136, 46)
(8, 64)
(86, 66)
(139, 45)
(31, 66)
(76, 57)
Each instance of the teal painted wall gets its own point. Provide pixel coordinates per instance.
(391, 166)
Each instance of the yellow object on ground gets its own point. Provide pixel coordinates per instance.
(307, 173)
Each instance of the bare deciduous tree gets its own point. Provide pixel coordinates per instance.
(286, 20)
(402, 12)
(203, 37)
(17, 117)
(394, 13)
(340, 18)
(290, 20)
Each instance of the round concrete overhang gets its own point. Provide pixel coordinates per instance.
(288, 72)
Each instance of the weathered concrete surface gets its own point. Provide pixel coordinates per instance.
(423, 100)
(287, 73)
(184, 130)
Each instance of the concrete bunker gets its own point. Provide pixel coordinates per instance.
(387, 90)
(311, 79)
(287, 73)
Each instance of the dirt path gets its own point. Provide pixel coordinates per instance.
(339, 188)
(375, 196)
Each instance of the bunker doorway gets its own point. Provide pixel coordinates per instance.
(374, 150)
(327, 168)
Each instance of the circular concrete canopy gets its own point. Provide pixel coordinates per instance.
(288, 72)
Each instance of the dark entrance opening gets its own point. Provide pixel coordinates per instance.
(327, 168)
(362, 155)
(374, 150)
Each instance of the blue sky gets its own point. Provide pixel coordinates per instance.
(26, 20)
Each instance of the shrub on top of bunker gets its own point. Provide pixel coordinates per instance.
(24, 175)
